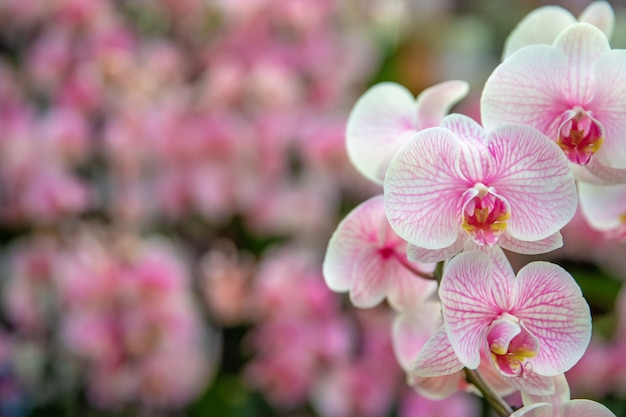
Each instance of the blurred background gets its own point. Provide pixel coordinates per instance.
(170, 174)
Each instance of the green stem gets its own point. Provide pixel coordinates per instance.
(497, 403)
(439, 271)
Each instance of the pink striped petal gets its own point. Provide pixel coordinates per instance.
(503, 277)
(552, 242)
(601, 15)
(435, 102)
(583, 44)
(356, 232)
(550, 305)
(379, 124)
(584, 408)
(527, 88)
(475, 159)
(436, 358)
(423, 192)
(540, 26)
(466, 128)
(525, 156)
(468, 303)
(369, 278)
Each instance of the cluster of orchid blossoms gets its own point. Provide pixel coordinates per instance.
(456, 193)
(126, 123)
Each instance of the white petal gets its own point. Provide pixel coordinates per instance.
(601, 15)
(540, 26)
(379, 124)
(435, 102)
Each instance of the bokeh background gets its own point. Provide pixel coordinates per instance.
(170, 174)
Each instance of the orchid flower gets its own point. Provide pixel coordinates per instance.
(537, 323)
(367, 258)
(456, 186)
(544, 24)
(604, 207)
(387, 115)
(573, 91)
(559, 404)
(436, 371)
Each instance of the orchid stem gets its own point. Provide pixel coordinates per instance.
(409, 265)
(495, 401)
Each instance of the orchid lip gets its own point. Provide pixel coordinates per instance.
(485, 214)
(580, 135)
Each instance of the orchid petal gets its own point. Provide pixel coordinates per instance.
(417, 254)
(435, 102)
(466, 128)
(540, 26)
(436, 357)
(501, 332)
(357, 231)
(475, 159)
(468, 304)
(584, 408)
(437, 387)
(369, 279)
(533, 383)
(583, 44)
(604, 206)
(552, 242)
(534, 177)
(412, 329)
(600, 173)
(550, 305)
(516, 92)
(608, 106)
(534, 410)
(560, 395)
(405, 289)
(493, 377)
(379, 124)
(423, 190)
(601, 15)
(503, 276)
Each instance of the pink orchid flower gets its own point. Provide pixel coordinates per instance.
(367, 258)
(537, 323)
(457, 185)
(604, 208)
(559, 404)
(573, 91)
(419, 341)
(544, 24)
(387, 115)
